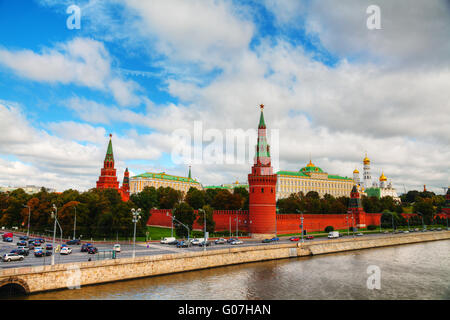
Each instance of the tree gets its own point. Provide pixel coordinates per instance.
(186, 215)
(210, 223)
(195, 198)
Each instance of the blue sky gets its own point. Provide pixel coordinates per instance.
(143, 69)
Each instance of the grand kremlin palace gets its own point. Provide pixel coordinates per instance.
(312, 178)
(150, 179)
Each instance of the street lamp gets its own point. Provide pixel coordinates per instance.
(75, 223)
(421, 215)
(136, 217)
(204, 228)
(301, 221)
(54, 215)
(29, 214)
(174, 219)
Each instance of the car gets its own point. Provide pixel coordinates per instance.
(220, 241)
(235, 242)
(12, 257)
(231, 240)
(24, 238)
(117, 247)
(294, 238)
(204, 243)
(74, 241)
(48, 252)
(40, 240)
(21, 243)
(39, 253)
(438, 229)
(309, 237)
(173, 242)
(266, 241)
(166, 240)
(31, 246)
(406, 231)
(85, 247)
(196, 241)
(38, 249)
(92, 250)
(386, 232)
(416, 229)
(22, 251)
(275, 239)
(359, 234)
(48, 246)
(65, 250)
(182, 244)
(8, 239)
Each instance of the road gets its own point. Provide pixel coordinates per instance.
(127, 250)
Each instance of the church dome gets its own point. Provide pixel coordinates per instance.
(366, 160)
(356, 171)
(383, 177)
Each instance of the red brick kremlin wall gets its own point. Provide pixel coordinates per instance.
(286, 223)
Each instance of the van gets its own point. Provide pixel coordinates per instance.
(168, 240)
(333, 235)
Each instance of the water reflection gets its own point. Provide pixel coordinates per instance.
(416, 271)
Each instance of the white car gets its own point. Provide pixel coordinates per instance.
(167, 240)
(12, 257)
(237, 242)
(65, 250)
(117, 247)
(359, 234)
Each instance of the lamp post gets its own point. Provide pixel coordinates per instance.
(54, 215)
(136, 217)
(75, 223)
(174, 219)
(301, 221)
(204, 228)
(421, 215)
(29, 214)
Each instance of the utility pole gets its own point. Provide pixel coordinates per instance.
(136, 217)
(54, 214)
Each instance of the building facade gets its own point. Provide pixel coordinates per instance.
(162, 179)
(312, 178)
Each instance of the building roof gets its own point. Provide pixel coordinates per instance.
(164, 176)
(302, 174)
(109, 153)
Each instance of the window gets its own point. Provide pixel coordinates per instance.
(262, 190)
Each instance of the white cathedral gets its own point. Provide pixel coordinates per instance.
(372, 189)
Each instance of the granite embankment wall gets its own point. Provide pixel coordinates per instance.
(62, 276)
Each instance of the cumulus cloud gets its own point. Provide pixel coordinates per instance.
(81, 61)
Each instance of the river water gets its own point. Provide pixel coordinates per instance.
(414, 271)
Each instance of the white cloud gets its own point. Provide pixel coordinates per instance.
(84, 62)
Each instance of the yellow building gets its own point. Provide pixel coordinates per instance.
(312, 178)
(150, 179)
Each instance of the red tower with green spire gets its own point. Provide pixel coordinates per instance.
(262, 183)
(108, 178)
(355, 207)
(125, 189)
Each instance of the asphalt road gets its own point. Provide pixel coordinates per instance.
(127, 250)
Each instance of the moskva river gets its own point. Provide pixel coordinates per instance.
(414, 271)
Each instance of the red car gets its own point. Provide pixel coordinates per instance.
(309, 237)
(294, 238)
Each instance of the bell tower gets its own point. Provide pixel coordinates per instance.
(108, 178)
(262, 183)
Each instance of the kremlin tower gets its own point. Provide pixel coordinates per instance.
(262, 183)
(355, 207)
(108, 178)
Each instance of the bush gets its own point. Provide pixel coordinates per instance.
(329, 229)
(371, 227)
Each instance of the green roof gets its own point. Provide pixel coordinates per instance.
(262, 124)
(109, 153)
(217, 187)
(338, 177)
(164, 176)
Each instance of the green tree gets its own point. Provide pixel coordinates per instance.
(195, 198)
(185, 214)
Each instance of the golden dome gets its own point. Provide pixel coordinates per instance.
(356, 171)
(366, 160)
(383, 177)
(310, 164)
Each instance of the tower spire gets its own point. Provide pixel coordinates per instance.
(189, 176)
